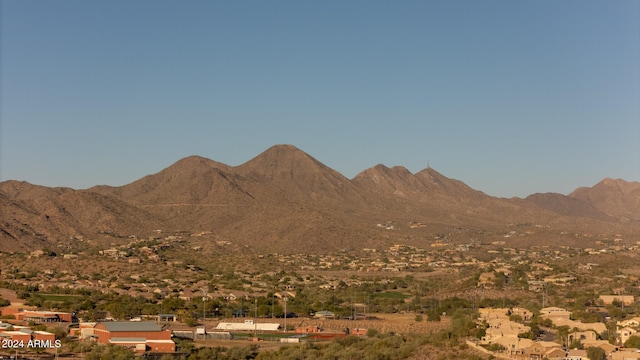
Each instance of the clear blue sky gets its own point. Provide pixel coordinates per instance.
(511, 97)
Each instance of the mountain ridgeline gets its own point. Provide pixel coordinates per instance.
(284, 200)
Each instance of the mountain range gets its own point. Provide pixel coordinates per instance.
(284, 200)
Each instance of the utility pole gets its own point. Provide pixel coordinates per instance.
(204, 310)
(161, 303)
(353, 309)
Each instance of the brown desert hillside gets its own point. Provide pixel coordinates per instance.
(39, 217)
(566, 205)
(284, 200)
(299, 177)
(614, 197)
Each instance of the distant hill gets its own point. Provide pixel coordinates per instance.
(566, 205)
(610, 200)
(284, 200)
(616, 198)
(37, 217)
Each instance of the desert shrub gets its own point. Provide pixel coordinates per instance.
(110, 352)
(372, 332)
(495, 347)
(596, 353)
(433, 315)
(241, 353)
(633, 342)
(204, 353)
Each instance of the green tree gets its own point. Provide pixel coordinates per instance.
(110, 352)
(576, 344)
(190, 321)
(516, 318)
(633, 342)
(433, 315)
(596, 353)
(246, 352)
(561, 335)
(206, 353)
(372, 332)
(4, 302)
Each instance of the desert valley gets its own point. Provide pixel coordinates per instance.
(283, 257)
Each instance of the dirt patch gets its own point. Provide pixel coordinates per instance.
(9, 295)
(16, 304)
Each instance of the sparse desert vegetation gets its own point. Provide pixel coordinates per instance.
(334, 268)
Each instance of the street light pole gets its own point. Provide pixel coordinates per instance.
(285, 299)
(161, 303)
(204, 310)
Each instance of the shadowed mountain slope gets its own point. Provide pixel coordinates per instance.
(39, 217)
(614, 197)
(566, 205)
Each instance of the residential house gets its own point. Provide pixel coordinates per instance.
(524, 313)
(187, 295)
(583, 336)
(626, 355)
(560, 279)
(505, 329)
(542, 350)
(603, 344)
(554, 354)
(625, 333)
(553, 312)
(576, 354)
(633, 323)
(515, 346)
(236, 295)
(162, 291)
(598, 327)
